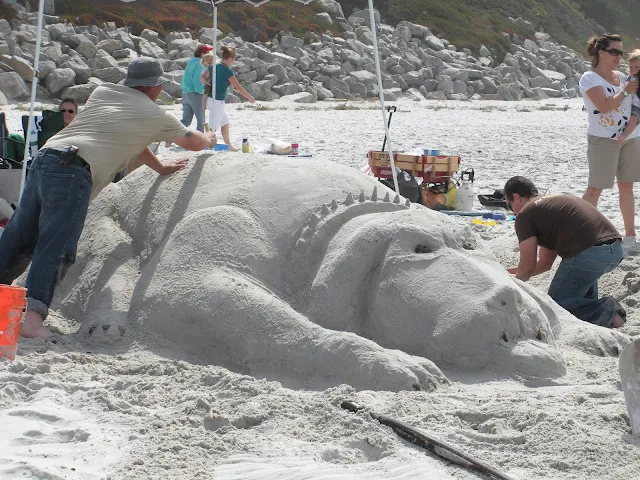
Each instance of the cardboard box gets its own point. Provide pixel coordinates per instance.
(428, 168)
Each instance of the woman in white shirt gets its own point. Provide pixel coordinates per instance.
(607, 98)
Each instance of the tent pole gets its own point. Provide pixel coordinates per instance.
(215, 58)
(34, 86)
(381, 95)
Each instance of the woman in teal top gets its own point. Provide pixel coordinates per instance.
(192, 89)
(224, 77)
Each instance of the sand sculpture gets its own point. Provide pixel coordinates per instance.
(292, 269)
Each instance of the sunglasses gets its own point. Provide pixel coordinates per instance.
(509, 202)
(67, 111)
(614, 52)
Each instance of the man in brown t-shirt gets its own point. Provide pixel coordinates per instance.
(569, 227)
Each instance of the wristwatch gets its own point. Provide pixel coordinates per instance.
(625, 93)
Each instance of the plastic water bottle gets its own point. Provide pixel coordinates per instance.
(245, 145)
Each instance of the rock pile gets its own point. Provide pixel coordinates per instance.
(415, 63)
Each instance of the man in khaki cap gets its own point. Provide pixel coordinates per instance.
(115, 127)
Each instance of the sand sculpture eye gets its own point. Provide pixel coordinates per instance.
(423, 249)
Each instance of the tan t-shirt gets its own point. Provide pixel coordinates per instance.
(565, 224)
(114, 127)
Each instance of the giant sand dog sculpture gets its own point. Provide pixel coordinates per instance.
(292, 269)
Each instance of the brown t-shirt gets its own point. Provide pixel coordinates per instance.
(565, 224)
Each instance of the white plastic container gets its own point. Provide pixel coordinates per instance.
(465, 193)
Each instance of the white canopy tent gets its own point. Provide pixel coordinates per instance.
(214, 4)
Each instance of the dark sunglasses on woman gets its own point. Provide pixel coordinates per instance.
(67, 111)
(615, 52)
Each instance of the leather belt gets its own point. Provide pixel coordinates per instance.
(607, 242)
(67, 153)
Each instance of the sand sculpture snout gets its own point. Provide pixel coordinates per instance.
(300, 270)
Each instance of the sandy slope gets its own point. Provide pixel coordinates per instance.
(140, 412)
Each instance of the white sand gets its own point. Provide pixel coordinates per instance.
(162, 255)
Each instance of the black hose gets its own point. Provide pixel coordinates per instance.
(430, 443)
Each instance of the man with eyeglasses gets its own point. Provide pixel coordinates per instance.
(549, 226)
(115, 127)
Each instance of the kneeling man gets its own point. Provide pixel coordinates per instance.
(584, 238)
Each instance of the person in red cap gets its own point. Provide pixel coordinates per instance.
(193, 89)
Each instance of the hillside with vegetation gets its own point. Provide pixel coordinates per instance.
(253, 24)
(470, 23)
(465, 23)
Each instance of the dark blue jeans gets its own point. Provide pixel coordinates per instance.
(575, 284)
(46, 227)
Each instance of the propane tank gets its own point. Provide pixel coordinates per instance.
(465, 193)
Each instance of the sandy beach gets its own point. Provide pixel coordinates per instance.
(81, 406)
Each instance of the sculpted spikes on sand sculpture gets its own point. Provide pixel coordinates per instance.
(253, 273)
(349, 200)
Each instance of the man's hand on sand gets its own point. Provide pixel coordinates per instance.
(174, 166)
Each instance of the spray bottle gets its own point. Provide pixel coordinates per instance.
(465, 192)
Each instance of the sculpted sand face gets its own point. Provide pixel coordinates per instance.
(303, 270)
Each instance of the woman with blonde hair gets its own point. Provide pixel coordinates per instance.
(224, 77)
(607, 98)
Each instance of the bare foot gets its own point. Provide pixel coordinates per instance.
(617, 321)
(32, 326)
(232, 148)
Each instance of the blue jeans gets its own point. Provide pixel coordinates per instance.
(575, 284)
(192, 105)
(46, 227)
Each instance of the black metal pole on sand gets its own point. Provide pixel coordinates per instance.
(430, 443)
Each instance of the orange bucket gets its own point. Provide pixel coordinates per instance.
(12, 304)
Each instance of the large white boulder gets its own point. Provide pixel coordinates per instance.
(302, 97)
(12, 86)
